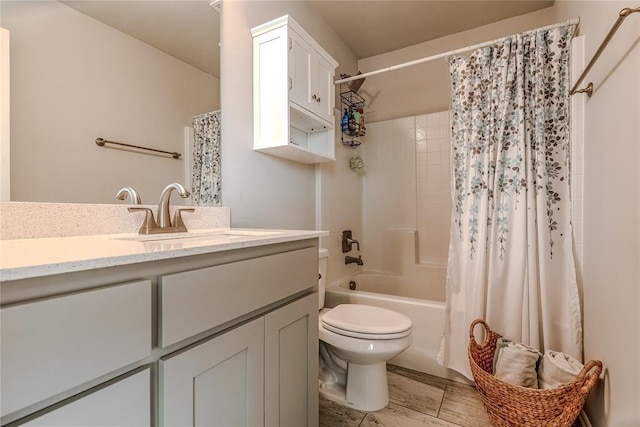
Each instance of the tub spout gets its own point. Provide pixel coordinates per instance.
(353, 260)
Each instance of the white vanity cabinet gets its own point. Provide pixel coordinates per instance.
(260, 373)
(293, 93)
(222, 339)
(264, 372)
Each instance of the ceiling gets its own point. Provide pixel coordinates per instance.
(371, 28)
(189, 29)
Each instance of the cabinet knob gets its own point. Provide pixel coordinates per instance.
(315, 98)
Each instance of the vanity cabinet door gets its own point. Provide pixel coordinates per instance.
(124, 403)
(291, 364)
(216, 383)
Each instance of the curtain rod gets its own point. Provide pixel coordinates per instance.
(575, 21)
(589, 89)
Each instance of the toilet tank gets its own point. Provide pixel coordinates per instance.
(323, 258)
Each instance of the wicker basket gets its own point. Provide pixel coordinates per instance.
(510, 405)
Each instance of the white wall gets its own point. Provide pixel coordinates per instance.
(611, 276)
(74, 79)
(425, 88)
(267, 191)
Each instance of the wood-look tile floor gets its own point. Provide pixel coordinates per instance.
(415, 399)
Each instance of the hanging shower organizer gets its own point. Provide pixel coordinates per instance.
(353, 127)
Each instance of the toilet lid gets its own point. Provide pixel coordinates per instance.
(366, 319)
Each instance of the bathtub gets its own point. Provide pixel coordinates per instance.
(427, 316)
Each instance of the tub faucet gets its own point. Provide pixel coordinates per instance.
(131, 192)
(164, 219)
(353, 260)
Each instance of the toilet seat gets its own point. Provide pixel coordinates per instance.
(365, 321)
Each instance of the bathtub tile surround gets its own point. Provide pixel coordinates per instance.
(411, 153)
(434, 188)
(416, 399)
(26, 220)
(408, 231)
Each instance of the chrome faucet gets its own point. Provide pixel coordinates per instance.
(131, 192)
(164, 218)
(353, 260)
(164, 224)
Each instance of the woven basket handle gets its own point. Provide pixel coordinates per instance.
(486, 328)
(589, 375)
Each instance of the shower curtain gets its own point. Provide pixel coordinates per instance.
(511, 255)
(205, 177)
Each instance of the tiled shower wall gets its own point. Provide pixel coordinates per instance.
(433, 163)
(407, 196)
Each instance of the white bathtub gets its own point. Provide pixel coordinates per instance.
(427, 317)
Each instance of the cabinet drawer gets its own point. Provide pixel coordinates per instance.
(125, 403)
(194, 301)
(52, 345)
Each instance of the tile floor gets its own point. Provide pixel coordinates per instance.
(416, 399)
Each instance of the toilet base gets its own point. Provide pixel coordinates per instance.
(366, 390)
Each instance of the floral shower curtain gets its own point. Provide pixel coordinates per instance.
(511, 255)
(205, 178)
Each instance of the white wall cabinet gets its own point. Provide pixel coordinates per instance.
(293, 93)
(232, 337)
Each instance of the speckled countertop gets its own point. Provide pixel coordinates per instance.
(39, 257)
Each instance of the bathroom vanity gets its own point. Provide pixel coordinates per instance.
(214, 330)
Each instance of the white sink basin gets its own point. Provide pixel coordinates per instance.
(199, 235)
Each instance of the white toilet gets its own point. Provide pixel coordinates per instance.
(355, 343)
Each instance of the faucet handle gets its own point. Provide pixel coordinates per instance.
(177, 222)
(149, 221)
(348, 241)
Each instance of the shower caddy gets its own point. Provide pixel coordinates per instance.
(352, 102)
